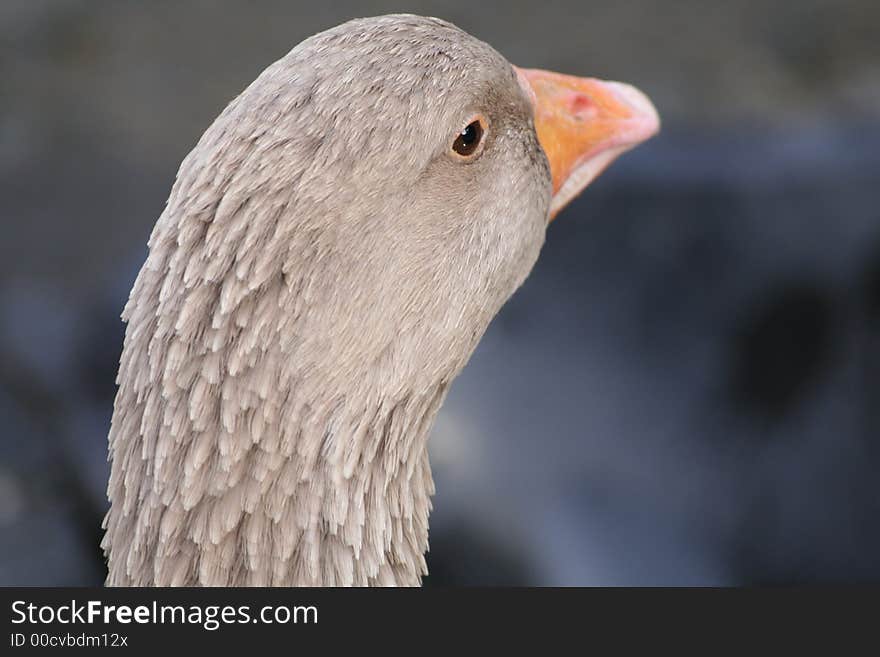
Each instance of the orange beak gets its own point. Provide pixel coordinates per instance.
(583, 124)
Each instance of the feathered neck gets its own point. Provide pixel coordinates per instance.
(335, 501)
(266, 430)
(231, 468)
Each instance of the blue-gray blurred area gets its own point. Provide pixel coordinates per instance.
(686, 390)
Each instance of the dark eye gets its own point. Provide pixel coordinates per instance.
(468, 140)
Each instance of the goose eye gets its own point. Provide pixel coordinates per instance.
(469, 139)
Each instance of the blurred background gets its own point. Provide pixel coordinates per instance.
(685, 392)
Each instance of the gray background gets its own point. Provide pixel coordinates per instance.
(684, 392)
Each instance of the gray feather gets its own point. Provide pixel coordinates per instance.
(321, 273)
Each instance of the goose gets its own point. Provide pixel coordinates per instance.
(331, 252)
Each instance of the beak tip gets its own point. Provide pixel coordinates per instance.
(645, 114)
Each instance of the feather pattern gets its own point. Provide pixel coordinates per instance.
(302, 312)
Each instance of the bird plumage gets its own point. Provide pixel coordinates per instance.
(319, 276)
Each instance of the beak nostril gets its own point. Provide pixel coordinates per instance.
(581, 107)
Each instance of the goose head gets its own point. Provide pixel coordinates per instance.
(332, 251)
